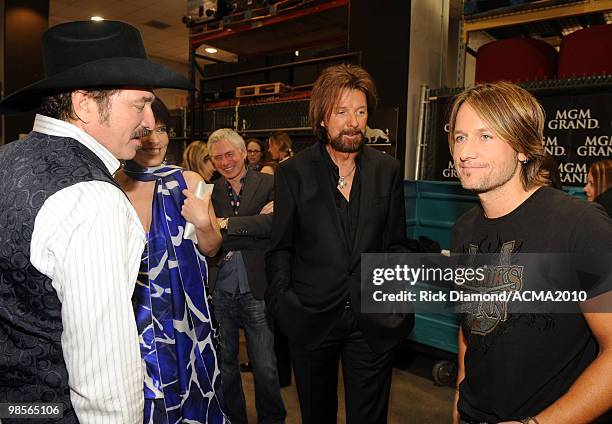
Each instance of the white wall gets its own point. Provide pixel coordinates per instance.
(470, 70)
(433, 60)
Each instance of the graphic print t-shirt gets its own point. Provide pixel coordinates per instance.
(518, 364)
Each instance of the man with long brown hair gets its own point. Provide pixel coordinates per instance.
(336, 200)
(537, 367)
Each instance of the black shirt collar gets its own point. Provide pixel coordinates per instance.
(330, 162)
(242, 180)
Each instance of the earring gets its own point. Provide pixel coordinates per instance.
(525, 161)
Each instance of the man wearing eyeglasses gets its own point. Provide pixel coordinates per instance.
(243, 201)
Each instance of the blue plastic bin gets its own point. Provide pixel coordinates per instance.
(432, 207)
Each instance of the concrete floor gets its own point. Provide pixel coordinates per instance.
(415, 398)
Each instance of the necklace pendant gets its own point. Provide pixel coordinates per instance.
(341, 183)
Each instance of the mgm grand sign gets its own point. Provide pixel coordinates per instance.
(578, 132)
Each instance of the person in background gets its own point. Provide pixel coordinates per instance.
(599, 184)
(197, 159)
(257, 160)
(257, 157)
(279, 148)
(243, 201)
(178, 341)
(71, 240)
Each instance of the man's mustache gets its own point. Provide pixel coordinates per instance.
(141, 132)
(352, 132)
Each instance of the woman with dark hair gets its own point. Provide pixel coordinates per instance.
(178, 341)
(257, 158)
(599, 184)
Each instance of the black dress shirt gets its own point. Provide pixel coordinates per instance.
(347, 210)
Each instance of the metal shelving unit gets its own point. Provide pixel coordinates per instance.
(547, 20)
(257, 33)
(535, 12)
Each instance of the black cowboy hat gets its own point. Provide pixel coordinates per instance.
(93, 55)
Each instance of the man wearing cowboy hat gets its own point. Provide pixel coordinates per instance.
(70, 241)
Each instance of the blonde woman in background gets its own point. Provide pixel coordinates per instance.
(279, 148)
(197, 159)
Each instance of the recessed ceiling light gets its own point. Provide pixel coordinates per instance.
(211, 50)
(97, 18)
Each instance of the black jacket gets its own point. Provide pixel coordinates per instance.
(310, 270)
(249, 232)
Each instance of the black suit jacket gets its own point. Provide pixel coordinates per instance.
(310, 269)
(248, 232)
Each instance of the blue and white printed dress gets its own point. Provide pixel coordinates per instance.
(178, 338)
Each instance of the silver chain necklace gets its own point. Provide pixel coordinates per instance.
(342, 180)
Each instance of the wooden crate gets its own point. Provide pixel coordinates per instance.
(205, 28)
(269, 89)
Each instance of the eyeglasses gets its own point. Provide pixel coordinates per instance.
(157, 130)
(252, 152)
